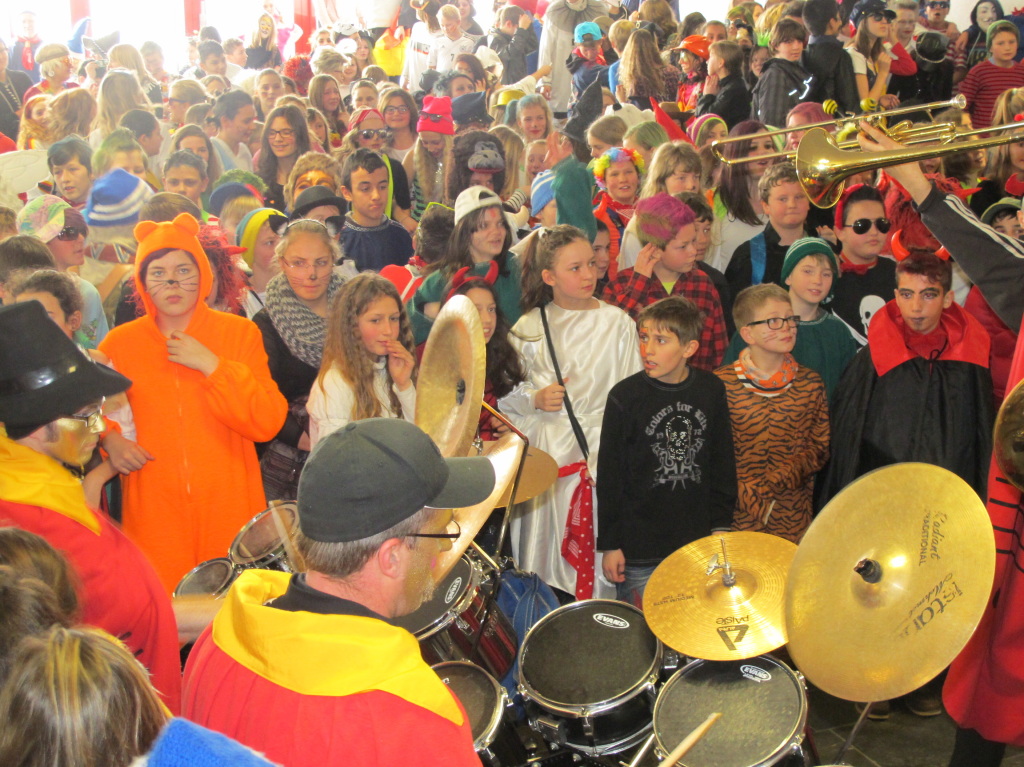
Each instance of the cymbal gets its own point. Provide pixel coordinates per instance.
(539, 473)
(450, 386)
(504, 457)
(1008, 437)
(889, 582)
(689, 607)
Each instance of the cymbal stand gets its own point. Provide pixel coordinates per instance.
(515, 481)
(853, 733)
(728, 577)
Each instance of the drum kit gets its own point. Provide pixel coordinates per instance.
(885, 589)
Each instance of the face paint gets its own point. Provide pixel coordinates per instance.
(73, 438)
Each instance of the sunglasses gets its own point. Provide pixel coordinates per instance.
(863, 225)
(938, 5)
(370, 133)
(70, 233)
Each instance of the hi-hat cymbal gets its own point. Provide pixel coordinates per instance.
(889, 582)
(539, 473)
(1008, 437)
(504, 457)
(689, 607)
(450, 386)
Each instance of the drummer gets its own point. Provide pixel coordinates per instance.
(50, 408)
(308, 669)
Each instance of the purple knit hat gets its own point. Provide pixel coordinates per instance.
(700, 126)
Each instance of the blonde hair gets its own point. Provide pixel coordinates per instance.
(609, 129)
(424, 167)
(119, 92)
(70, 113)
(77, 698)
(128, 57)
(257, 41)
(449, 12)
(236, 208)
(29, 130)
(515, 150)
(304, 164)
(750, 300)
(345, 352)
(190, 91)
(317, 86)
(541, 255)
(666, 159)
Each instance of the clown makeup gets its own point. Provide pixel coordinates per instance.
(313, 178)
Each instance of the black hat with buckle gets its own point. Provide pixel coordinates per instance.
(43, 375)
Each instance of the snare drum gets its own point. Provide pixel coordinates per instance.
(764, 701)
(448, 626)
(260, 545)
(588, 673)
(211, 578)
(486, 704)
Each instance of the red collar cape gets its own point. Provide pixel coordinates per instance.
(967, 340)
(296, 650)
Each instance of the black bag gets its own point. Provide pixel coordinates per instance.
(281, 464)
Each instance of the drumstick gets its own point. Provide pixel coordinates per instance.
(690, 740)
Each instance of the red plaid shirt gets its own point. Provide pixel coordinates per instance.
(631, 292)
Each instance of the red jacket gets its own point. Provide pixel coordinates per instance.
(120, 592)
(309, 690)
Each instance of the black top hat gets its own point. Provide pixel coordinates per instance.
(470, 108)
(586, 109)
(931, 50)
(314, 197)
(43, 375)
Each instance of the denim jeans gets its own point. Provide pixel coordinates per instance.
(631, 590)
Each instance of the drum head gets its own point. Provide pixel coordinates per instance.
(587, 653)
(480, 695)
(211, 578)
(763, 706)
(444, 605)
(260, 538)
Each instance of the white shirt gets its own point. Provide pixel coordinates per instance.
(330, 405)
(444, 50)
(228, 159)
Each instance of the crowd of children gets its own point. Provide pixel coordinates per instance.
(262, 243)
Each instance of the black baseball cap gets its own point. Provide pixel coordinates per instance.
(370, 475)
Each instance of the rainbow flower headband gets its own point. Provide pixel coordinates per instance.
(615, 154)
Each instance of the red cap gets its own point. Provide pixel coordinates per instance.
(436, 116)
(698, 45)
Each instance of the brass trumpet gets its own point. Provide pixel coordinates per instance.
(823, 166)
(905, 133)
(958, 101)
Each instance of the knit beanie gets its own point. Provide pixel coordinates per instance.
(1003, 25)
(43, 217)
(809, 246)
(436, 116)
(248, 228)
(542, 191)
(572, 188)
(185, 744)
(116, 199)
(698, 128)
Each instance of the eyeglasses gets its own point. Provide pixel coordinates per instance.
(304, 267)
(368, 134)
(448, 536)
(399, 110)
(863, 225)
(285, 134)
(776, 323)
(93, 420)
(70, 233)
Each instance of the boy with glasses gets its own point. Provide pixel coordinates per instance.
(865, 280)
(779, 416)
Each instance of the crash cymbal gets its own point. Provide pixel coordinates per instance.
(450, 386)
(539, 473)
(1008, 437)
(690, 608)
(889, 582)
(504, 457)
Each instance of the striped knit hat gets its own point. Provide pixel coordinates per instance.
(116, 199)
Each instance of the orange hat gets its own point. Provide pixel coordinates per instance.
(697, 45)
(179, 234)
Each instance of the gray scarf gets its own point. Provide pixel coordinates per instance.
(302, 330)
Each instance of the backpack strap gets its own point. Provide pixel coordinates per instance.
(758, 258)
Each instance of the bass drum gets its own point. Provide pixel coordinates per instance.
(211, 578)
(588, 673)
(449, 625)
(486, 704)
(260, 545)
(763, 699)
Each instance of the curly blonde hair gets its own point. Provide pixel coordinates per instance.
(344, 349)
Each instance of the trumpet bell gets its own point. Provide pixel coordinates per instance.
(450, 387)
(1008, 437)
(822, 167)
